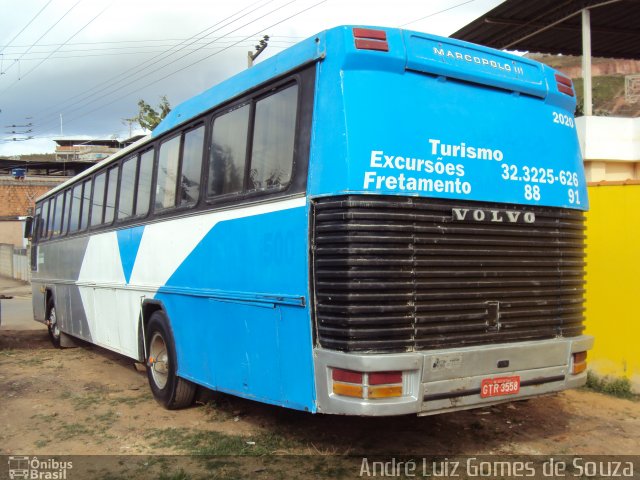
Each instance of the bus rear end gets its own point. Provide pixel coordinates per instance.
(447, 226)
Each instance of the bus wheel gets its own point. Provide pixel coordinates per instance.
(52, 324)
(168, 389)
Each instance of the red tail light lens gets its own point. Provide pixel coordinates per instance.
(383, 378)
(369, 39)
(565, 85)
(339, 375)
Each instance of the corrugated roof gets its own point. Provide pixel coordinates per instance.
(555, 26)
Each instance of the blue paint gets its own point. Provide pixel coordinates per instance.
(252, 349)
(432, 117)
(410, 102)
(129, 243)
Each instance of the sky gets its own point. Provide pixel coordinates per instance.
(77, 68)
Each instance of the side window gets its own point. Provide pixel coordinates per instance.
(76, 201)
(97, 202)
(37, 224)
(191, 166)
(273, 140)
(44, 230)
(86, 205)
(167, 180)
(228, 152)
(50, 219)
(67, 208)
(57, 215)
(144, 183)
(127, 188)
(112, 189)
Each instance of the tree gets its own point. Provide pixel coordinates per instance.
(149, 117)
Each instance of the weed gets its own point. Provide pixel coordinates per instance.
(34, 361)
(88, 400)
(108, 417)
(42, 442)
(618, 387)
(70, 430)
(130, 401)
(202, 442)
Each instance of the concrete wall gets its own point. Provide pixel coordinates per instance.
(610, 147)
(14, 262)
(6, 260)
(613, 279)
(12, 232)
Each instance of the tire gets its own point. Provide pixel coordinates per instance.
(52, 323)
(169, 390)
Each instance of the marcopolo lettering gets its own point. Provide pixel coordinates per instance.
(478, 60)
(492, 216)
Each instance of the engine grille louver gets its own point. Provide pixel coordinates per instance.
(401, 274)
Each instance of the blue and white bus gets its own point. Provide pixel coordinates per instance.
(373, 222)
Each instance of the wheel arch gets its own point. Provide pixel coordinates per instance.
(148, 308)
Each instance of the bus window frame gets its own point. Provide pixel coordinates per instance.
(306, 87)
(304, 78)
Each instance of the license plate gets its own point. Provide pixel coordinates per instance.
(499, 386)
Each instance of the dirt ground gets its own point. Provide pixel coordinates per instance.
(87, 400)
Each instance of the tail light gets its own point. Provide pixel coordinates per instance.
(366, 384)
(565, 85)
(369, 39)
(579, 363)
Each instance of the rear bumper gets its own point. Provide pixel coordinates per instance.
(447, 380)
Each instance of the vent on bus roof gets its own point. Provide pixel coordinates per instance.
(369, 39)
(565, 85)
(401, 274)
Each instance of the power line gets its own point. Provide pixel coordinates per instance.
(105, 42)
(26, 26)
(436, 13)
(119, 78)
(119, 49)
(89, 55)
(45, 33)
(202, 59)
(113, 89)
(51, 54)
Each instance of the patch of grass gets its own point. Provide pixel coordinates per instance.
(130, 401)
(88, 400)
(42, 442)
(107, 417)
(68, 431)
(179, 475)
(617, 387)
(202, 442)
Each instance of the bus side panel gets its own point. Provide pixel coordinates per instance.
(59, 265)
(244, 327)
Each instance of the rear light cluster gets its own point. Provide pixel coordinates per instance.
(565, 85)
(368, 39)
(579, 363)
(371, 385)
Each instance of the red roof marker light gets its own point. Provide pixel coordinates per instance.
(369, 39)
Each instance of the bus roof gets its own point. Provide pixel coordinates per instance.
(413, 56)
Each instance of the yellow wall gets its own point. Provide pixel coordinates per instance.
(613, 280)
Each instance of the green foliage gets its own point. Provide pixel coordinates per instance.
(618, 387)
(201, 442)
(149, 117)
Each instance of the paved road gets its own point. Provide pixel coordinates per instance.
(16, 313)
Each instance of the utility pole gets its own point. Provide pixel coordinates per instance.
(251, 56)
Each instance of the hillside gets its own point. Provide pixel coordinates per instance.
(608, 82)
